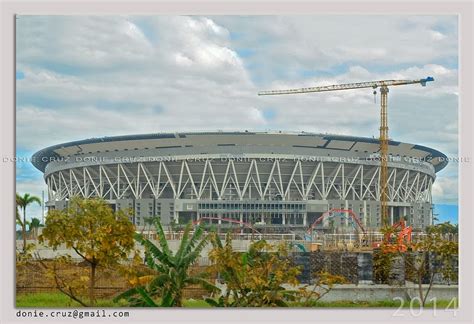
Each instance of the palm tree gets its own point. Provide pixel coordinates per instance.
(172, 270)
(35, 223)
(149, 221)
(18, 217)
(23, 202)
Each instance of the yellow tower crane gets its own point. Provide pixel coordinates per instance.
(383, 140)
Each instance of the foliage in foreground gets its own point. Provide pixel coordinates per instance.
(100, 236)
(432, 255)
(257, 278)
(165, 288)
(382, 265)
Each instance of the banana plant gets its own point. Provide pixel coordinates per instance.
(172, 270)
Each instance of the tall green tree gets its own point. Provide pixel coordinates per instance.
(172, 270)
(23, 202)
(34, 224)
(149, 221)
(17, 216)
(94, 231)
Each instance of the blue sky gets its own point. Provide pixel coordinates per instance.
(446, 213)
(80, 77)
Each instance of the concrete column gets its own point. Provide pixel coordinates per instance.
(391, 215)
(430, 215)
(241, 218)
(175, 216)
(305, 216)
(283, 219)
(365, 213)
(325, 221)
(346, 206)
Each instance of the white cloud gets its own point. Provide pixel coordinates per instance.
(291, 43)
(445, 190)
(437, 36)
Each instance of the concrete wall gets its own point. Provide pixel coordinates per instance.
(384, 292)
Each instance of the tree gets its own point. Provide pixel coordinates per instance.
(91, 228)
(445, 228)
(254, 278)
(263, 276)
(432, 254)
(23, 202)
(149, 221)
(172, 270)
(17, 216)
(324, 282)
(35, 223)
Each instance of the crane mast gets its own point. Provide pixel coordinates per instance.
(383, 139)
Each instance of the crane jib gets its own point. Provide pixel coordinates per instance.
(347, 86)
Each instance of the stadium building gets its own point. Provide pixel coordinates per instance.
(279, 180)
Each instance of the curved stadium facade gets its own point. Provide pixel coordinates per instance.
(279, 180)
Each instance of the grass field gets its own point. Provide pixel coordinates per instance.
(58, 300)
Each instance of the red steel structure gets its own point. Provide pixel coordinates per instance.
(334, 211)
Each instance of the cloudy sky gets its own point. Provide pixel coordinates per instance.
(91, 76)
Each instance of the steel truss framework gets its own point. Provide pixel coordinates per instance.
(234, 180)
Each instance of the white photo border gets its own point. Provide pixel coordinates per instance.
(463, 9)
